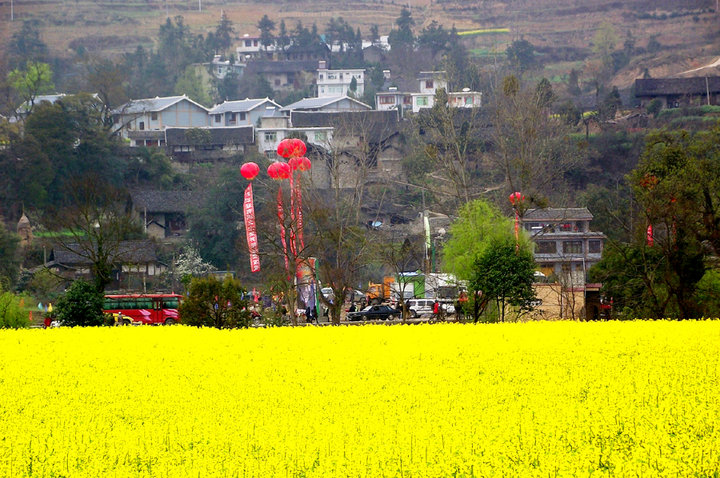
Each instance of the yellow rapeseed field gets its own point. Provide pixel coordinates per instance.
(515, 400)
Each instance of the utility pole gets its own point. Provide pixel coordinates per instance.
(12, 10)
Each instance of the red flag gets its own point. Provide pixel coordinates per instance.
(650, 239)
(250, 231)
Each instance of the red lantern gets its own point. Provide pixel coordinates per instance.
(283, 170)
(272, 170)
(285, 148)
(516, 198)
(298, 147)
(294, 163)
(249, 170)
(305, 164)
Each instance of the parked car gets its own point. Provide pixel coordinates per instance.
(418, 307)
(374, 312)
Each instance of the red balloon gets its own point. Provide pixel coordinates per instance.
(516, 198)
(305, 164)
(294, 163)
(283, 170)
(285, 148)
(298, 147)
(249, 170)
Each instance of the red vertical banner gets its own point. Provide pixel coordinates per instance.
(250, 230)
(650, 238)
(293, 225)
(281, 220)
(299, 212)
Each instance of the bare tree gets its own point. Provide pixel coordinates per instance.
(532, 147)
(453, 140)
(95, 226)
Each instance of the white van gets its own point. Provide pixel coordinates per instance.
(418, 307)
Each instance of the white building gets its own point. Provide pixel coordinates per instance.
(250, 46)
(274, 130)
(338, 82)
(245, 112)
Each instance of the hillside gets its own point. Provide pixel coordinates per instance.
(687, 34)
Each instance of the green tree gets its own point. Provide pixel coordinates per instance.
(215, 303)
(191, 84)
(477, 225)
(34, 80)
(9, 257)
(12, 313)
(434, 37)
(521, 55)
(504, 272)
(26, 43)
(403, 37)
(81, 306)
(266, 27)
(223, 33)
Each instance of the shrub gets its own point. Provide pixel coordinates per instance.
(215, 303)
(82, 305)
(12, 314)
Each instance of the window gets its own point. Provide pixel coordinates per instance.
(429, 84)
(595, 247)
(277, 81)
(141, 125)
(321, 76)
(270, 136)
(387, 100)
(407, 100)
(422, 101)
(241, 116)
(218, 118)
(546, 247)
(255, 43)
(320, 136)
(341, 76)
(231, 118)
(572, 247)
(248, 42)
(153, 116)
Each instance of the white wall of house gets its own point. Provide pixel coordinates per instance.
(267, 139)
(337, 82)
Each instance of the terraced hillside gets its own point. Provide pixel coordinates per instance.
(685, 33)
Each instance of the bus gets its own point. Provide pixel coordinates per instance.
(150, 309)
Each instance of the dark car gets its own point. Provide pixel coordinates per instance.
(374, 312)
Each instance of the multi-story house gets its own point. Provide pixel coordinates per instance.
(245, 112)
(286, 75)
(428, 82)
(339, 82)
(250, 46)
(143, 121)
(565, 247)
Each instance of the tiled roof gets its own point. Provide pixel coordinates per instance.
(315, 103)
(224, 136)
(374, 126)
(165, 201)
(558, 214)
(137, 252)
(240, 105)
(152, 104)
(677, 86)
(285, 66)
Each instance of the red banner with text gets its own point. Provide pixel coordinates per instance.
(250, 230)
